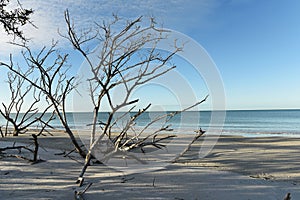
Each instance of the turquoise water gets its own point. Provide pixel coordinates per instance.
(248, 123)
(263, 122)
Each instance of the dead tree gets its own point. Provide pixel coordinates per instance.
(128, 59)
(34, 151)
(13, 19)
(51, 80)
(17, 114)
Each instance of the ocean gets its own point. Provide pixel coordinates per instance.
(252, 123)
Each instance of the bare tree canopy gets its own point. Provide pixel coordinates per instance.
(17, 114)
(51, 80)
(12, 20)
(127, 57)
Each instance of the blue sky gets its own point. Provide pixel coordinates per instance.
(255, 44)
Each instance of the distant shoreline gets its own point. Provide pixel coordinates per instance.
(254, 123)
(204, 110)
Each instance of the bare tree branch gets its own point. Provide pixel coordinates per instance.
(127, 58)
(12, 20)
(51, 81)
(20, 116)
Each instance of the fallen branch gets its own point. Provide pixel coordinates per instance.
(17, 156)
(73, 150)
(15, 147)
(200, 133)
(19, 148)
(67, 155)
(124, 179)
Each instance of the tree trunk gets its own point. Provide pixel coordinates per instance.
(2, 135)
(36, 148)
(75, 143)
(85, 166)
(288, 196)
(69, 131)
(16, 131)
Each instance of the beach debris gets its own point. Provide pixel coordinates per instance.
(199, 132)
(68, 155)
(263, 176)
(35, 158)
(153, 182)
(124, 179)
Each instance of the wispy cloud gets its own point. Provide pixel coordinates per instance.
(49, 15)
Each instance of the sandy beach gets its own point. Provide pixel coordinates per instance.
(237, 168)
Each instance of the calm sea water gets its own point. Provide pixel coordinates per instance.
(247, 123)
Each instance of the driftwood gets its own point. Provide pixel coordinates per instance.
(19, 148)
(15, 147)
(199, 132)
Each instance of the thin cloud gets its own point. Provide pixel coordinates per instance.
(49, 16)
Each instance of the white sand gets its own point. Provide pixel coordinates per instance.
(223, 174)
